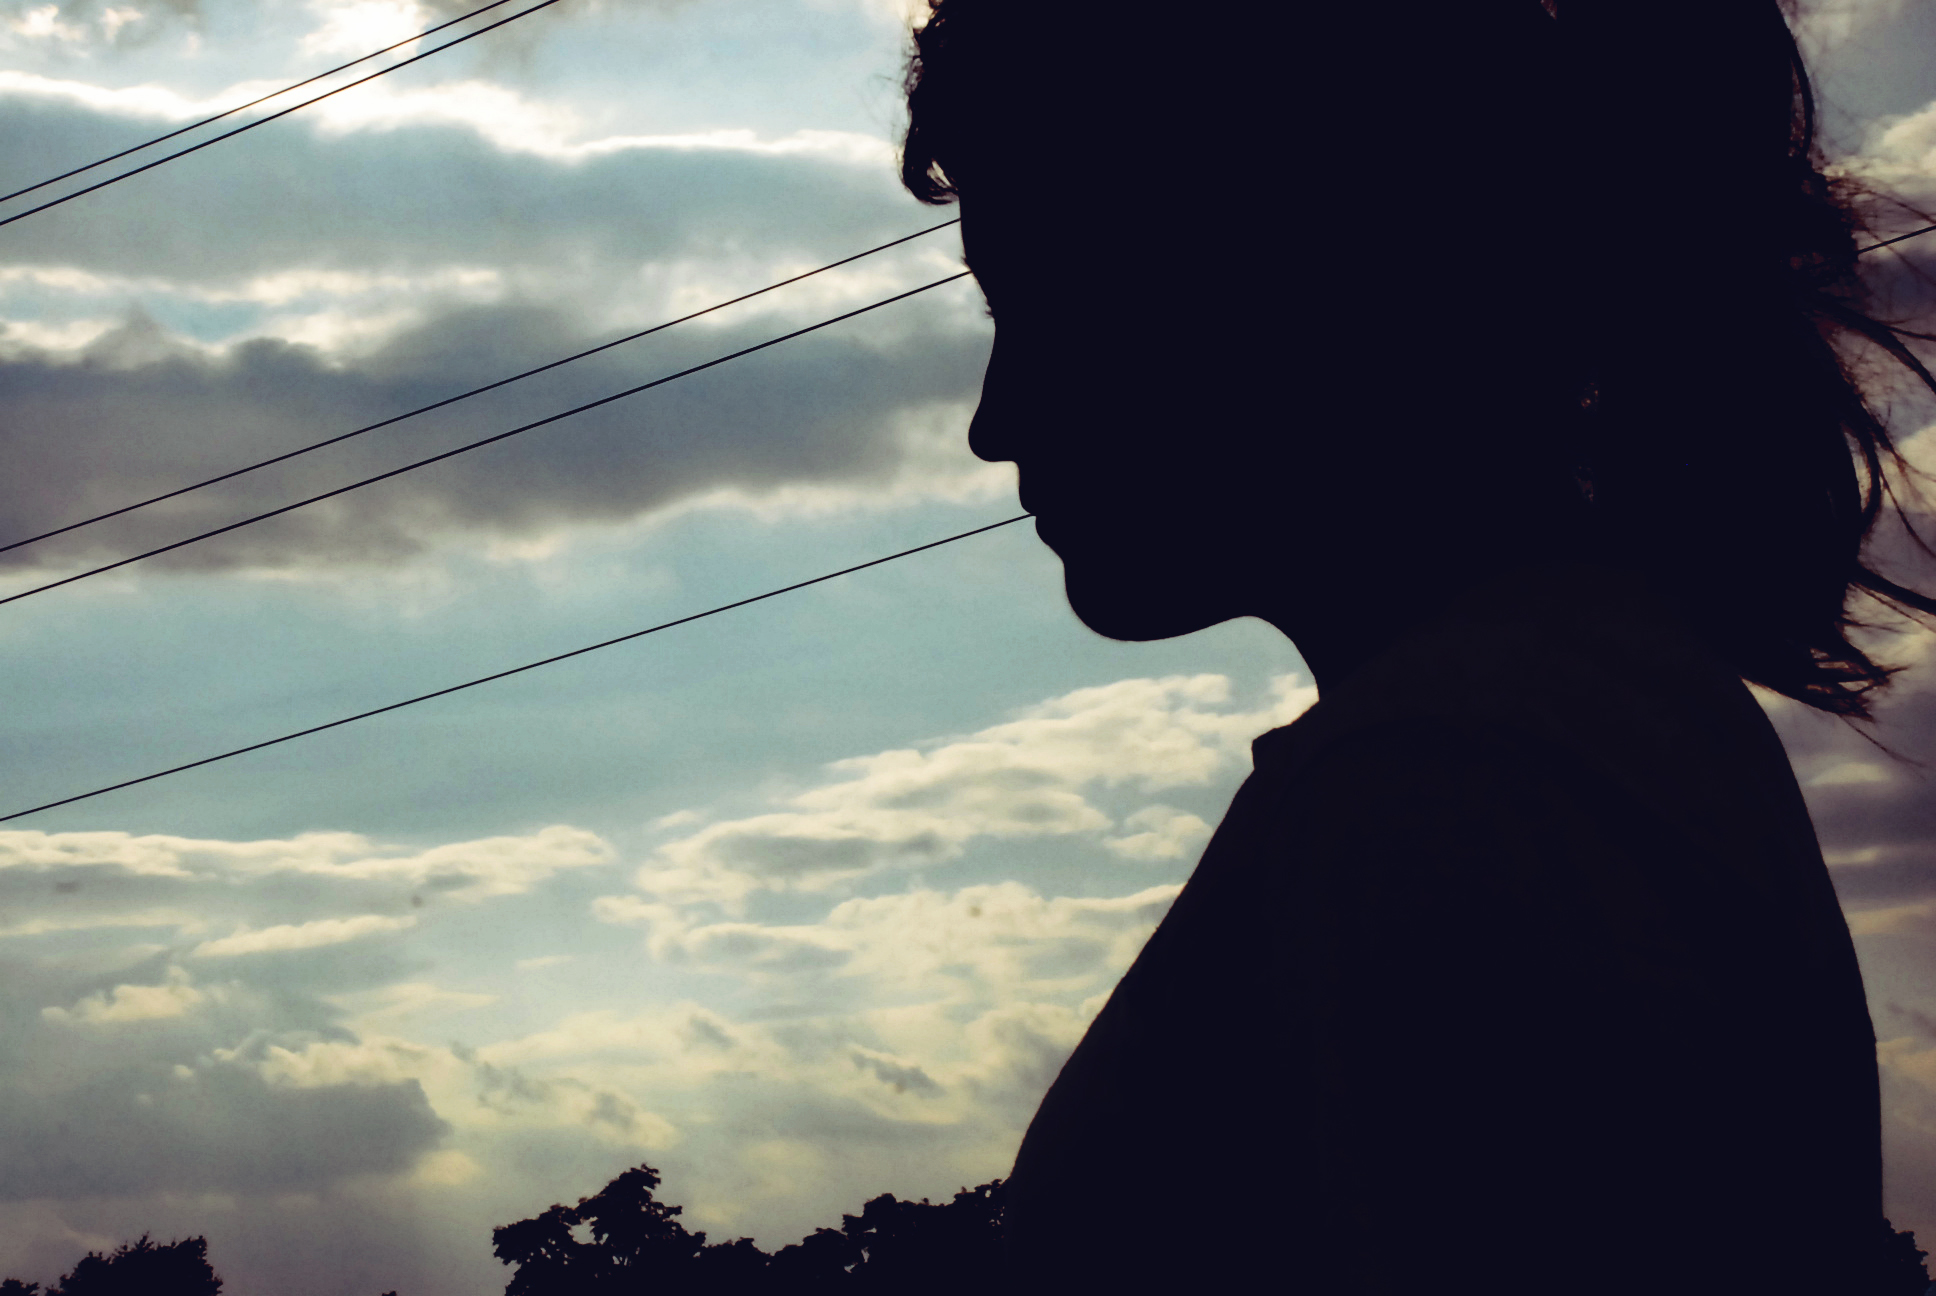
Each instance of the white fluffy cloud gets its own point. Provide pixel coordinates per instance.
(416, 238)
(1030, 777)
(923, 1019)
(463, 871)
(986, 944)
(299, 936)
(174, 997)
(507, 119)
(1163, 833)
(1901, 152)
(298, 975)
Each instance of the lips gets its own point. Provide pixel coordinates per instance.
(1043, 490)
(1045, 531)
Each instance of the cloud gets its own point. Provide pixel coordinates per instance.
(1826, 23)
(127, 1074)
(180, 919)
(82, 27)
(1872, 813)
(132, 1003)
(900, 1078)
(914, 1030)
(775, 1066)
(223, 1129)
(1872, 808)
(1902, 150)
(1166, 834)
(44, 23)
(300, 936)
(828, 411)
(467, 872)
(1030, 777)
(144, 1086)
(389, 1005)
(364, 25)
(561, 218)
(974, 995)
(997, 943)
(277, 1069)
(508, 120)
(437, 239)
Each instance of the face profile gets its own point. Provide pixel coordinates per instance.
(1191, 462)
(1113, 466)
(1204, 435)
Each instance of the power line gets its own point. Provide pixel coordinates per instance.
(474, 445)
(493, 386)
(576, 652)
(264, 121)
(462, 396)
(1900, 238)
(515, 670)
(230, 112)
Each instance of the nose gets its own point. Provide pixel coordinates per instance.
(991, 432)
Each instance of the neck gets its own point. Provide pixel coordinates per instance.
(1357, 608)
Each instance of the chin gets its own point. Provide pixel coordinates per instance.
(1121, 598)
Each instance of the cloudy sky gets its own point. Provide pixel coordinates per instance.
(801, 904)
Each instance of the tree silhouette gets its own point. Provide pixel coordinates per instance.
(143, 1267)
(818, 1262)
(940, 1248)
(736, 1268)
(640, 1238)
(630, 1241)
(1899, 1267)
(625, 1239)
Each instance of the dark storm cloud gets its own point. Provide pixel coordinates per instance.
(142, 412)
(141, 1128)
(151, 988)
(105, 1105)
(83, 437)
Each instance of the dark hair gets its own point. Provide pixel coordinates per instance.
(1720, 431)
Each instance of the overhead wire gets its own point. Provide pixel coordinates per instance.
(474, 445)
(462, 396)
(1900, 238)
(230, 112)
(576, 652)
(284, 112)
(481, 390)
(533, 372)
(515, 670)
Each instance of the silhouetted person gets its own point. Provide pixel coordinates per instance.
(1483, 349)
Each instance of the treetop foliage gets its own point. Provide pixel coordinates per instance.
(624, 1238)
(623, 1241)
(143, 1267)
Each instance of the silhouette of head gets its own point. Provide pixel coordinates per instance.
(1324, 317)
(1252, 333)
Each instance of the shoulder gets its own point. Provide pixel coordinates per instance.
(1575, 699)
(1558, 772)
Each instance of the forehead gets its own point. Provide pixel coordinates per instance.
(1033, 264)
